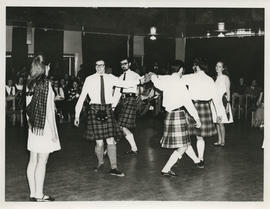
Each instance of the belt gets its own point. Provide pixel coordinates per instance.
(202, 101)
(180, 109)
(126, 95)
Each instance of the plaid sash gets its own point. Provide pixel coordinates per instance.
(36, 110)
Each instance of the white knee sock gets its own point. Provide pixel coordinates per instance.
(172, 160)
(200, 147)
(190, 152)
(131, 140)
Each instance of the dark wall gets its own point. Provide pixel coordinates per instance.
(109, 48)
(19, 49)
(243, 56)
(161, 50)
(51, 45)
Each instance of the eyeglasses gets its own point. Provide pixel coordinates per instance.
(124, 63)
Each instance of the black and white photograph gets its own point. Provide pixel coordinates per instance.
(147, 103)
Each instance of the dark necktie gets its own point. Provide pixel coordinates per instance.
(102, 92)
(124, 78)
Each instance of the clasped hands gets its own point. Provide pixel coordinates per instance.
(147, 77)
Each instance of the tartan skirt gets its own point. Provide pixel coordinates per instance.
(127, 109)
(98, 130)
(208, 127)
(175, 133)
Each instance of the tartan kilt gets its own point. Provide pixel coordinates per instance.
(175, 133)
(208, 127)
(97, 130)
(127, 109)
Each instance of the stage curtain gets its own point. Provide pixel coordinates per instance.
(243, 56)
(19, 50)
(50, 43)
(110, 48)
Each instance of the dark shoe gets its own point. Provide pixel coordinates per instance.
(222, 145)
(99, 168)
(130, 152)
(168, 174)
(45, 198)
(116, 172)
(200, 164)
(32, 199)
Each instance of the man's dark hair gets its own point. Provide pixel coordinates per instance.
(176, 65)
(126, 58)
(201, 63)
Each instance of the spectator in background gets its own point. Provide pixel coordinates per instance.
(240, 88)
(156, 68)
(253, 92)
(59, 99)
(19, 88)
(10, 88)
(73, 95)
(238, 95)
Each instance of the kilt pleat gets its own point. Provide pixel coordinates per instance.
(127, 112)
(97, 130)
(175, 133)
(208, 127)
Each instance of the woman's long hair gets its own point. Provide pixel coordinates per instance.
(37, 72)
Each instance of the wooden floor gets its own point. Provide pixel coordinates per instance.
(229, 174)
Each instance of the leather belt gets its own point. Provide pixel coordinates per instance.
(201, 101)
(180, 109)
(126, 95)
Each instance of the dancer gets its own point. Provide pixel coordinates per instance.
(128, 105)
(177, 104)
(101, 123)
(204, 95)
(222, 83)
(42, 135)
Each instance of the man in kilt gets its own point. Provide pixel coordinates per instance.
(101, 123)
(204, 96)
(127, 105)
(177, 102)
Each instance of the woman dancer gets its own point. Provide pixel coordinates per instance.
(42, 134)
(178, 103)
(222, 83)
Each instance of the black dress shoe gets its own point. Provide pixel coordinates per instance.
(168, 174)
(32, 199)
(45, 198)
(131, 152)
(200, 164)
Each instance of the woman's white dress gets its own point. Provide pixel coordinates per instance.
(45, 143)
(221, 90)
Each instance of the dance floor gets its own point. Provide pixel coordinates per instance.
(232, 173)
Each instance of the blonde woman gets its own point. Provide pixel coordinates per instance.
(42, 134)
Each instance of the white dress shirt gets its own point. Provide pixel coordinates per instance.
(130, 76)
(202, 87)
(91, 87)
(10, 90)
(175, 94)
